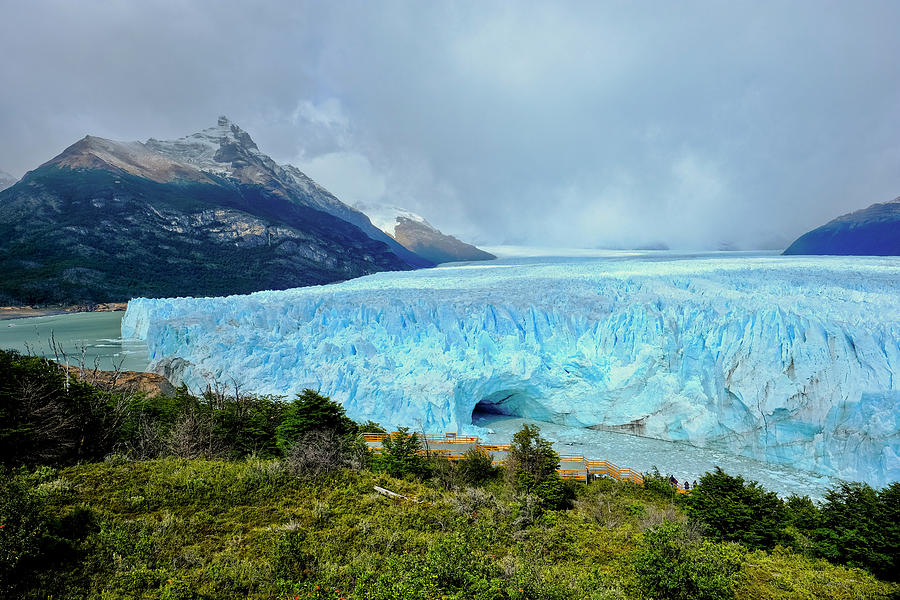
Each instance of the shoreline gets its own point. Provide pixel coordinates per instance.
(24, 312)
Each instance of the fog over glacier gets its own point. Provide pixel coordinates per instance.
(787, 360)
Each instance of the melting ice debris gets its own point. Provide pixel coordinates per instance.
(787, 360)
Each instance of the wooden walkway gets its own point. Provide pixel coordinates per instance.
(571, 466)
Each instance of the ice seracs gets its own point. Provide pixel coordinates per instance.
(788, 360)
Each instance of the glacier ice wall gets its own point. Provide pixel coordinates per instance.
(785, 359)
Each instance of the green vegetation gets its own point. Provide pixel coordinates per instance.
(400, 456)
(678, 564)
(199, 497)
(856, 526)
(737, 511)
(531, 468)
(476, 467)
(860, 527)
(310, 412)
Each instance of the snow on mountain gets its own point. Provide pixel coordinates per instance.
(386, 217)
(133, 158)
(419, 236)
(227, 150)
(788, 360)
(6, 180)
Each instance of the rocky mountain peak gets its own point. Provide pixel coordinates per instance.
(229, 133)
(206, 214)
(92, 152)
(214, 149)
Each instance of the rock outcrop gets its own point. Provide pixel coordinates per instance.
(6, 180)
(129, 382)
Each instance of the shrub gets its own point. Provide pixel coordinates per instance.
(443, 472)
(860, 528)
(46, 416)
(784, 575)
(26, 540)
(454, 566)
(802, 513)
(737, 511)
(320, 452)
(401, 455)
(889, 517)
(291, 557)
(476, 466)
(311, 412)
(247, 424)
(370, 427)
(660, 485)
(194, 436)
(531, 466)
(672, 564)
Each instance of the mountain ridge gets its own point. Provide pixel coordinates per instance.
(419, 236)
(208, 214)
(871, 231)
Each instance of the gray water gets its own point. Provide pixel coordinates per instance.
(92, 339)
(684, 461)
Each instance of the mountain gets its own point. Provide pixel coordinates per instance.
(207, 214)
(6, 180)
(419, 236)
(873, 231)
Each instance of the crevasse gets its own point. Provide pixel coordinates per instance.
(788, 360)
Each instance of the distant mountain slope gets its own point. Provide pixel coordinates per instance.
(419, 236)
(204, 215)
(6, 180)
(228, 151)
(873, 231)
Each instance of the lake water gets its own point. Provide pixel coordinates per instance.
(94, 338)
(684, 461)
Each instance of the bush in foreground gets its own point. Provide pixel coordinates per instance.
(531, 466)
(401, 455)
(737, 511)
(311, 412)
(673, 564)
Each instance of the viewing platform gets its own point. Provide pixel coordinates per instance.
(571, 466)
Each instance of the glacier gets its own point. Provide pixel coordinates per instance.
(788, 360)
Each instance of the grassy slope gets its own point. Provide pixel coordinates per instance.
(213, 529)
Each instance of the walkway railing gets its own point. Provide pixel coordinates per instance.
(572, 466)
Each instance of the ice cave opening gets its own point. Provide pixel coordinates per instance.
(510, 403)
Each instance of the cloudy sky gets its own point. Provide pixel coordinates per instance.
(595, 124)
